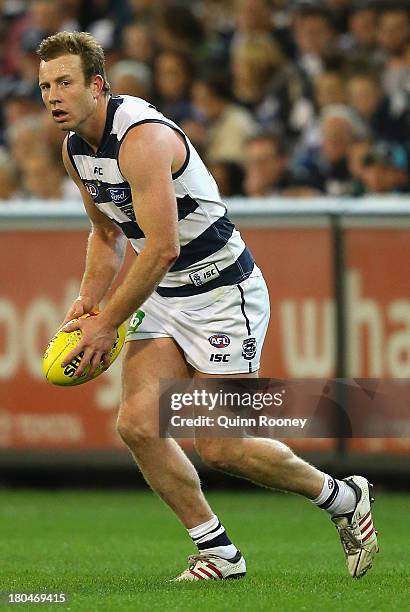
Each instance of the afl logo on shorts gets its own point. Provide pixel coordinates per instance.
(92, 190)
(249, 349)
(219, 341)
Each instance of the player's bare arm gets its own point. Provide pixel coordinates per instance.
(105, 252)
(146, 159)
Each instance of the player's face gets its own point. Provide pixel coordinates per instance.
(65, 94)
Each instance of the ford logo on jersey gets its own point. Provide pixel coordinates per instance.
(219, 341)
(119, 195)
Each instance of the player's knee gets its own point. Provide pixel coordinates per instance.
(133, 430)
(283, 454)
(218, 454)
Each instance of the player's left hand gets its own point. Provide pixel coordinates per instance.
(97, 340)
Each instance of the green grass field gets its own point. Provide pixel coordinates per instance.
(116, 550)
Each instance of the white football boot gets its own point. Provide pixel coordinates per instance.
(356, 530)
(205, 566)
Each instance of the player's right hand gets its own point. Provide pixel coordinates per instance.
(80, 306)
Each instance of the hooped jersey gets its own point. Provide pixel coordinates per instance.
(212, 252)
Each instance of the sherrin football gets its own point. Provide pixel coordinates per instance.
(62, 344)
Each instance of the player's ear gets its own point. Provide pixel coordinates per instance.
(97, 85)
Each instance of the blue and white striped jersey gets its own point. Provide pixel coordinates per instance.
(212, 251)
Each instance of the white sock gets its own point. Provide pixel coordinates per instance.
(211, 537)
(336, 497)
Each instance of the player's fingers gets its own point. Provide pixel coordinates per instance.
(72, 325)
(81, 306)
(94, 363)
(78, 351)
(106, 360)
(85, 361)
(71, 314)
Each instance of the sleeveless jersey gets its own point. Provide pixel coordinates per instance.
(212, 252)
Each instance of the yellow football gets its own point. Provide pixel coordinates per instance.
(62, 344)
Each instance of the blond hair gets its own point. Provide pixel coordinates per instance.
(77, 43)
(262, 54)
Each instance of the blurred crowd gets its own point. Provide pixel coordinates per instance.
(281, 97)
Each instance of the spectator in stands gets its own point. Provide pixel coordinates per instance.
(103, 19)
(339, 10)
(41, 18)
(228, 176)
(394, 38)
(17, 107)
(43, 178)
(357, 153)
(173, 73)
(73, 11)
(137, 42)
(325, 167)
(131, 78)
(266, 166)
(23, 138)
(143, 10)
(254, 62)
(386, 170)
(178, 29)
(329, 88)
(314, 36)
(360, 42)
(217, 15)
(20, 62)
(8, 177)
(253, 17)
(394, 28)
(272, 17)
(228, 126)
(26, 83)
(280, 56)
(387, 117)
(264, 81)
(217, 20)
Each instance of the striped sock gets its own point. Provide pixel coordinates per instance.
(211, 537)
(336, 497)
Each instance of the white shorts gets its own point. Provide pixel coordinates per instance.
(220, 332)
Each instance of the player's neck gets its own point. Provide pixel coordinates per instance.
(92, 130)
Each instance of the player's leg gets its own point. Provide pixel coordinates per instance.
(163, 463)
(241, 316)
(266, 462)
(272, 464)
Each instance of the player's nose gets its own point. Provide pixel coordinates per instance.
(53, 96)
